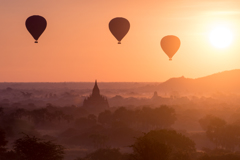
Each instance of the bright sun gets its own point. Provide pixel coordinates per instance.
(221, 37)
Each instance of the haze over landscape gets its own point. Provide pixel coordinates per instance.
(119, 80)
(103, 118)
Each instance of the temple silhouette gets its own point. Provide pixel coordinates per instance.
(96, 102)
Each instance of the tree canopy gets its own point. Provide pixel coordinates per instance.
(3, 141)
(162, 144)
(30, 147)
(223, 135)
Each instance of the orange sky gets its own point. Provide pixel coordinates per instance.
(78, 46)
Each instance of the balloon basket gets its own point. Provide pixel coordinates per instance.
(170, 59)
(36, 42)
(119, 42)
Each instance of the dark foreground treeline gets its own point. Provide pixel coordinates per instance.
(157, 144)
(140, 133)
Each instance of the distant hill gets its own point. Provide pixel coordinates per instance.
(227, 81)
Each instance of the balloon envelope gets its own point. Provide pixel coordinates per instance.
(119, 27)
(36, 25)
(170, 45)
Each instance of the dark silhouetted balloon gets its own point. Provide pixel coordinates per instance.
(119, 27)
(36, 25)
(170, 45)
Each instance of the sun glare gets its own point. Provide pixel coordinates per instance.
(221, 37)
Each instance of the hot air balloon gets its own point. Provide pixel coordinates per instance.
(170, 45)
(36, 25)
(119, 27)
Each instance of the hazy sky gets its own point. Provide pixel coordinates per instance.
(78, 46)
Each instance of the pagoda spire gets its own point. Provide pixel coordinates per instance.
(96, 102)
(96, 91)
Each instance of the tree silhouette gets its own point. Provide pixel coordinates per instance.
(225, 136)
(158, 118)
(1, 111)
(29, 148)
(211, 122)
(3, 142)
(164, 145)
(98, 140)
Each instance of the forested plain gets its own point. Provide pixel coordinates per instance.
(51, 123)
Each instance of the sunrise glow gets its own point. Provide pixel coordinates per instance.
(78, 45)
(221, 37)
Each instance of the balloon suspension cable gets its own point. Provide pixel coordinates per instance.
(119, 42)
(36, 41)
(170, 59)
